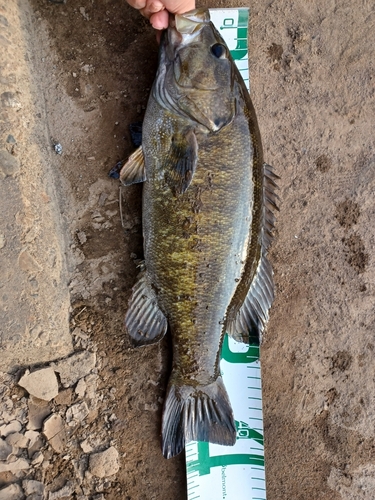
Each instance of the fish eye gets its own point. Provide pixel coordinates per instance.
(219, 50)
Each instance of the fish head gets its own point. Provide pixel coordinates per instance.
(196, 71)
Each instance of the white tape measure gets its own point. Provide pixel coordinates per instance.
(236, 472)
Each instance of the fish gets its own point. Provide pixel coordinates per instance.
(208, 213)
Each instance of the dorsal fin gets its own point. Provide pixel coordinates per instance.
(270, 204)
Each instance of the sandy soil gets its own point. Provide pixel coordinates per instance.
(312, 78)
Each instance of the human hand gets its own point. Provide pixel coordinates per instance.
(157, 10)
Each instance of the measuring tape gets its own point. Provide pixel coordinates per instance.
(236, 472)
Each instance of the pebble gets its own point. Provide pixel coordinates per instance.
(17, 439)
(5, 450)
(58, 148)
(77, 412)
(9, 164)
(11, 492)
(19, 464)
(9, 100)
(35, 496)
(37, 414)
(37, 446)
(54, 430)
(30, 486)
(64, 397)
(32, 436)
(81, 388)
(105, 463)
(75, 367)
(66, 491)
(13, 426)
(86, 447)
(38, 458)
(42, 384)
(11, 139)
(82, 238)
(2, 240)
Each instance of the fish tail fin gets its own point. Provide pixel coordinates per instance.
(196, 413)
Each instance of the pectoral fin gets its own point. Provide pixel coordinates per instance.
(134, 169)
(144, 321)
(182, 162)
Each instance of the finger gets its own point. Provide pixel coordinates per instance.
(179, 7)
(137, 4)
(160, 20)
(152, 7)
(155, 6)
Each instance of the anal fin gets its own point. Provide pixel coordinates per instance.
(144, 321)
(249, 323)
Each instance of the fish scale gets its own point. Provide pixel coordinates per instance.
(176, 273)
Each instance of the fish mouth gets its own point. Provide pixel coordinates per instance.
(191, 21)
(185, 27)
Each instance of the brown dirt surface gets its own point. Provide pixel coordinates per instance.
(312, 75)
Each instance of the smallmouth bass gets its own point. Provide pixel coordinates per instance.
(208, 202)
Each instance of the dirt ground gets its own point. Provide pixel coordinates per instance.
(312, 75)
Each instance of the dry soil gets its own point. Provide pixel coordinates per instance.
(313, 82)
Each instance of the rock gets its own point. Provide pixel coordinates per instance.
(64, 397)
(58, 148)
(105, 463)
(2, 240)
(86, 447)
(33, 436)
(54, 430)
(91, 383)
(38, 411)
(30, 486)
(11, 139)
(19, 464)
(36, 446)
(77, 412)
(66, 491)
(75, 367)
(5, 450)
(11, 492)
(38, 458)
(42, 384)
(77, 332)
(81, 388)
(9, 100)
(9, 164)
(17, 439)
(35, 496)
(82, 238)
(13, 426)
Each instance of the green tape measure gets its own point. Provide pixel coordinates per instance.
(236, 472)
